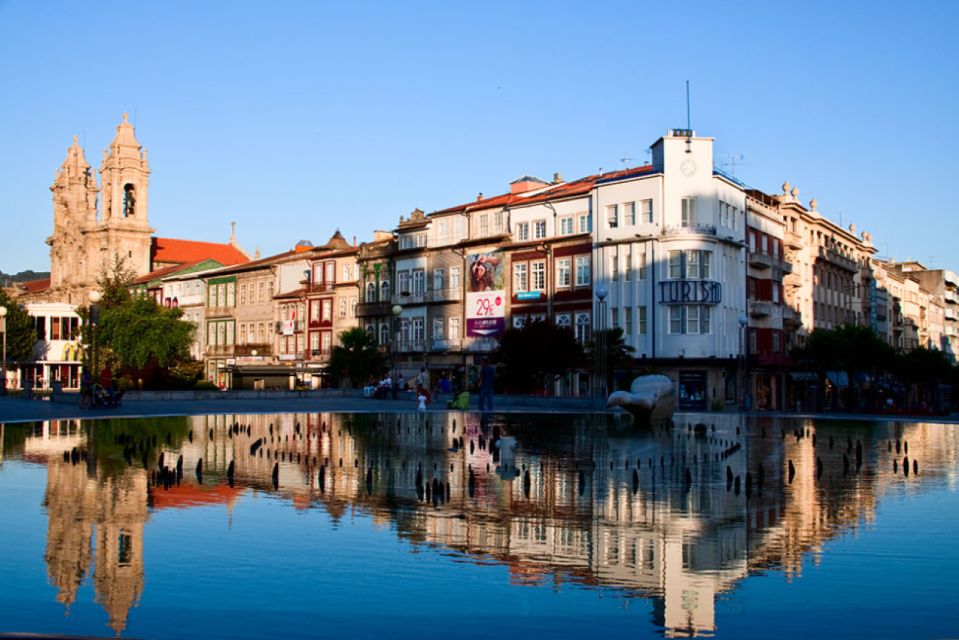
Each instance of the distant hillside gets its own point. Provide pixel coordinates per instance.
(23, 276)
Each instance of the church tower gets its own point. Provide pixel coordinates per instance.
(124, 225)
(74, 214)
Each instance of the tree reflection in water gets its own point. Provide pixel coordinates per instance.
(679, 513)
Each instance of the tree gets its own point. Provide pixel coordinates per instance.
(135, 334)
(356, 358)
(925, 372)
(618, 354)
(21, 336)
(536, 354)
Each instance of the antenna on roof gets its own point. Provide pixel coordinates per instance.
(689, 123)
(732, 160)
(624, 160)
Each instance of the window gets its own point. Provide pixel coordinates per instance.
(775, 243)
(704, 264)
(585, 223)
(455, 280)
(342, 307)
(646, 211)
(439, 279)
(642, 320)
(329, 272)
(614, 317)
(539, 276)
(752, 242)
(370, 292)
(642, 266)
(566, 226)
(539, 229)
(346, 273)
(612, 215)
(775, 292)
(242, 294)
(692, 264)
(262, 297)
(689, 212)
(384, 333)
(628, 321)
(403, 282)
(629, 213)
(454, 325)
(231, 294)
(327, 310)
(522, 231)
(419, 282)
(520, 277)
(775, 342)
(498, 221)
(484, 224)
(675, 265)
(675, 319)
(420, 239)
(353, 301)
(764, 241)
(694, 318)
(614, 267)
(582, 327)
(563, 321)
(419, 329)
(582, 271)
(314, 342)
(314, 310)
(437, 328)
(563, 273)
(241, 336)
(628, 272)
(261, 333)
(385, 291)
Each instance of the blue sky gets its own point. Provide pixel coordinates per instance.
(294, 119)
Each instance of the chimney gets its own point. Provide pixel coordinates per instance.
(557, 178)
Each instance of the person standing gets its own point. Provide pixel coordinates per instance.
(487, 375)
(423, 384)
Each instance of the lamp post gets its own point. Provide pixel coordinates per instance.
(397, 310)
(601, 292)
(3, 367)
(95, 297)
(744, 359)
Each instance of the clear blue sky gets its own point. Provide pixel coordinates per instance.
(294, 119)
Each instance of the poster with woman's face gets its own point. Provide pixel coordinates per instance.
(485, 271)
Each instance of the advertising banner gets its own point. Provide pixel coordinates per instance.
(485, 272)
(485, 313)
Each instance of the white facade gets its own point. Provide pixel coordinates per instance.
(57, 354)
(669, 243)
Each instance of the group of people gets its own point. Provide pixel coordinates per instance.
(94, 395)
(425, 393)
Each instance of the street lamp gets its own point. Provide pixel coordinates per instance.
(94, 319)
(744, 358)
(397, 310)
(601, 292)
(3, 368)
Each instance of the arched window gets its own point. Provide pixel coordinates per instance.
(385, 291)
(129, 200)
(384, 334)
(370, 292)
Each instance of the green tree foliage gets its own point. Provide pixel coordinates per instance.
(21, 335)
(356, 358)
(134, 333)
(536, 354)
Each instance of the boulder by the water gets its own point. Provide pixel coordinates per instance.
(648, 395)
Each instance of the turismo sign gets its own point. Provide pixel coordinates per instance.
(485, 313)
(690, 292)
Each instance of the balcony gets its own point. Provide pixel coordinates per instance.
(793, 240)
(696, 229)
(282, 326)
(765, 261)
(834, 257)
(319, 354)
(219, 350)
(951, 296)
(483, 345)
(371, 309)
(446, 295)
(248, 349)
(791, 317)
(761, 309)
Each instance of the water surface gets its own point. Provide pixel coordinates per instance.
(368, 525)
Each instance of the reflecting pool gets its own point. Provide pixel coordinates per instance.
(293, 525)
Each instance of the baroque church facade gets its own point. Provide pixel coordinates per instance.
(87, 240)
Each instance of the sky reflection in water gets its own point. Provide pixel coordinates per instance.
(372, 525)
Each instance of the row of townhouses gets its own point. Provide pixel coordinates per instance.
(711, 281)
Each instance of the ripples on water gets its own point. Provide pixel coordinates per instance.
(372, 525)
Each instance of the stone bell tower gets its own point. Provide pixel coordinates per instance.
(74, 215)
(124, 227)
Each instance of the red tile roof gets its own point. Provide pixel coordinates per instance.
(35, 286)
(167, 250)
(165, 271)
(562, 190)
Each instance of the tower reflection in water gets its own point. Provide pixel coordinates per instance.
(678, 514)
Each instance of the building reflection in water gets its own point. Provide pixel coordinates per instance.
(678, 514)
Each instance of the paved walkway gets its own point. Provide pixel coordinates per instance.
(15, 409)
